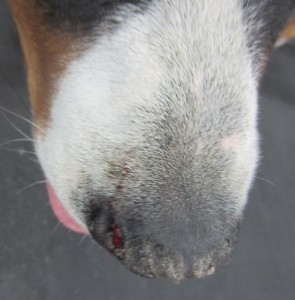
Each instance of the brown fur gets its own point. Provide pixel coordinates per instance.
(289, 31)
(46, 52)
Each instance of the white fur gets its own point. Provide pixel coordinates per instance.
(95, 116)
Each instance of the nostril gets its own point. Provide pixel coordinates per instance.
(103, 218)
(105, 228)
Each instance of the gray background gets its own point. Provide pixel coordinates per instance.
(40, 259)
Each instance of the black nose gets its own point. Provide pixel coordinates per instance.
(149, 259)
(152, 250)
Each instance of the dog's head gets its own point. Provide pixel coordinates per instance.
(148, 135)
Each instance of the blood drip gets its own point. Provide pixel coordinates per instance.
(116, 236)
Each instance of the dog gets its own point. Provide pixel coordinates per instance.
(144, 121)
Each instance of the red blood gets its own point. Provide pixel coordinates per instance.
(125, 171)
(116, 239)
(116, 236)
(119, 187)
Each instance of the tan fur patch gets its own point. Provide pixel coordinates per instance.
(46, 52)
(288, 32)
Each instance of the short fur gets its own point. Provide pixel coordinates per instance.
(152, 128)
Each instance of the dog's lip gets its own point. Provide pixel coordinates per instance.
(61, 213)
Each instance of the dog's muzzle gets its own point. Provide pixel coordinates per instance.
(171, 251)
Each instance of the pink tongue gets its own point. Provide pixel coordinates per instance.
(62, 214)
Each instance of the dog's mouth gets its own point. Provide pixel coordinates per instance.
(61, 213)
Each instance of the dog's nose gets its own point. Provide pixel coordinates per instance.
(149, 259)
(176, 253)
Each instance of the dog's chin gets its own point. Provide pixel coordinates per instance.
(61, 213)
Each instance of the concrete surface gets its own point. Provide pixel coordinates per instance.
(41, 260)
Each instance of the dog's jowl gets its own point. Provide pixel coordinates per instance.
(146, 120)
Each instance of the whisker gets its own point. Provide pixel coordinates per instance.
(36, 161)
(82, 240)
(267, 181)
(21, 117)
(19, 151)
(31, 185)
(55, 228)
(14, 126)
(25, 153)
(23, 102)
(15, 141)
